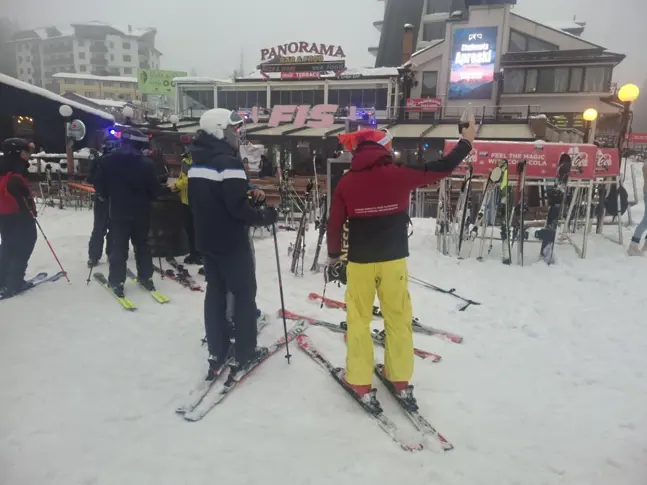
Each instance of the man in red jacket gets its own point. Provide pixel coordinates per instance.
(374, 196)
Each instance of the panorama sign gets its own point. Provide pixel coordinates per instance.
(302, 49)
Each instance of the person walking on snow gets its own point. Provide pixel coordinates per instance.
(374, 197)
(17, 211)
(128, 181)
(100, 212)
(222, 213)
(634, 247)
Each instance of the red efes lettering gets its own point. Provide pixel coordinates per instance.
(322, 116)
(281, 114)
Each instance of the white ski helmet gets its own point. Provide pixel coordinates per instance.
(223, 125)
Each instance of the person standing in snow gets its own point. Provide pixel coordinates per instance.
(17, 211)
(127, 180)
(635, 248)
(222, 214)
(374, 197)
(100, 212)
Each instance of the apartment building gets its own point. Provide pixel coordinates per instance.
(118, 88)
(86, 48)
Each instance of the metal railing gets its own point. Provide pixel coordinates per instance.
(454, 113)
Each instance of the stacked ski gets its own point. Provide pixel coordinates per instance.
(179, 274)
(377, 336)
(417, 326)
(39, 279)
(124, 302)
(157, 296)
(384, 422)
(219, 392)
(196, 396)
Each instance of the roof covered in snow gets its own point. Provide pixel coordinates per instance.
(10, 81)
(92, 77)
(106, 103)
(54, 31)
(566, 24)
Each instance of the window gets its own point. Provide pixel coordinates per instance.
(88, 94)
(577, 76)
(561, 79)
(438, 6)
(108, 95)
(434, 31)
(518, 42)
(112, 57)
(82, 68)
(429, 84)
(81, 55)
(22, 71)
(545, 80)
(124, 85)
(81, 43)
(126, 45)
(531, 81)
(112, 45)
(88, 82)
(597, 79)
(29, 70)
(128, 58)
(513, 81)
(525, 43)
(381, 98)
(19, 59)
(107, 84)
(128, 70)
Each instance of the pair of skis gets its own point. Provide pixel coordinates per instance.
(383, 421)
(417, 326)
(37, 280)
(208, 395)
(377, 336)
(179, 274)
(126, 303)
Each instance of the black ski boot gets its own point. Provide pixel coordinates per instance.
(240, 369)
(118, 290)
(13, 291)
(148, 284)
(218, 365)
(193, 259)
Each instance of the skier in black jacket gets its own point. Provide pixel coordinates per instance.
(222, 211)
(127, 180)
(17, 212)
(100, 208)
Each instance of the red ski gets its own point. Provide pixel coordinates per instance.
(417, 326)
(377, 336)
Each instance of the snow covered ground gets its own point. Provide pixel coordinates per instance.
(548, 387)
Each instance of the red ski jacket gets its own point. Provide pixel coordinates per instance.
(15, 194)
(374, 196)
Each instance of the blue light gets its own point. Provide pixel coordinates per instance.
(112, 132)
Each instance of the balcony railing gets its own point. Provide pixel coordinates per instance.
(99, 60)
(489, 114)
(97, 47)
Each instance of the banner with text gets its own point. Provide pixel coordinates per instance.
(430, 105)
(542, 158)
(472, 63)
(607, 162)
(152, 81)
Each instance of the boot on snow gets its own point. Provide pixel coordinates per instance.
(147, 284)
(635, 249)
(193, 259)
(402, 390)
(118, 290)
(217, 365)
(243, 366)
(366, 393)
(11, 291)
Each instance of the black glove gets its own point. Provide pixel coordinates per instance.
(269, 216)
(336, 272)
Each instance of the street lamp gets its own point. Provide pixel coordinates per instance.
(628, 93)
(590, 115)
(66, 112)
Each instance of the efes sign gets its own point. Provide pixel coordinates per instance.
(302, 48)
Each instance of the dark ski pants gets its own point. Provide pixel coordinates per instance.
(123, 231)
(230, 296)
(230, 273)
(18, 234)
(99, 232)
(190, 230)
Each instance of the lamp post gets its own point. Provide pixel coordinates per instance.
(66, 112)
(590, 115)
(627, 95)
(174, 119)
(128, 114)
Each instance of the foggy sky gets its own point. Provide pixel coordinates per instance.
(208, 35)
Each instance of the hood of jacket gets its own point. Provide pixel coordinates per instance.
(206, 148)
(369, 155)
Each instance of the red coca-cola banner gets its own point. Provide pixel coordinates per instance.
(542, 158)
(638, 138)
(607, 162)
(424, 104)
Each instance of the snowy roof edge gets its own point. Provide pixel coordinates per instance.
(12, 81)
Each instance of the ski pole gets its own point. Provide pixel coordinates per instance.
(278, 269)
(87, 282)
(50, 246)
(451, 292)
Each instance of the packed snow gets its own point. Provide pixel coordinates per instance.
(547, 388)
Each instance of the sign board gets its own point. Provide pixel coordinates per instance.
(638, 138)
(76, 130)
(151, 81)
(424, 104)
(320, 116)
(607, 162)
(295, 48)
(472, 64)
(304, 67)
(542, 158)
(300, 75)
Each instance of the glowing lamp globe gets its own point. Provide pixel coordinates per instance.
(65, 111)
(590, 115)
(128, 112)
(174, 119)
(628, 93)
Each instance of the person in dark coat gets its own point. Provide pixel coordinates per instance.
(127, 180)
(222, 212)
(100, 209)
(17, 211)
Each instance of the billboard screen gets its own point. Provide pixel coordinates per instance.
(153, 81)
(472, 64)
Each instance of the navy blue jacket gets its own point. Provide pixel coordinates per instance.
(218, 199)
(128, 180)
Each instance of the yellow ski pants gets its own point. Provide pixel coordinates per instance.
(391, 281)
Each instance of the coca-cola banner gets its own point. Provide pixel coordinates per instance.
(607, 163)
(542, 158)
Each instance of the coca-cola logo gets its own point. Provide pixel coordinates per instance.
(603, 161)
(579, 159)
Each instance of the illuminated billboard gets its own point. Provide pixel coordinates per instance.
(472, 64)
